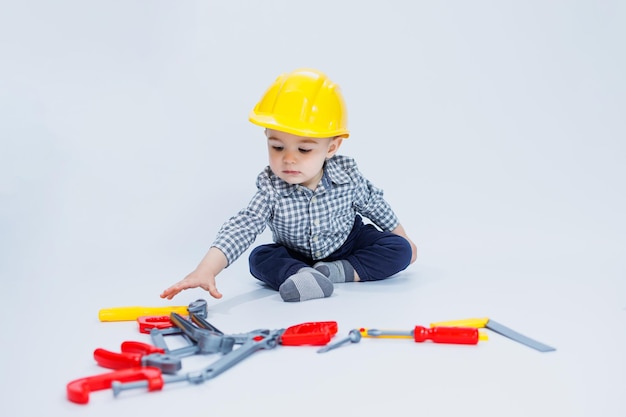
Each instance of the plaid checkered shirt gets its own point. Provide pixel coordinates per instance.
(314, 223)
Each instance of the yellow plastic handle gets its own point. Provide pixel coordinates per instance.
(132, 313)
(476, 323)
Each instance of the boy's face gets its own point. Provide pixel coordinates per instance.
(298, 159)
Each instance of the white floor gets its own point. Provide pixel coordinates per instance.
(496, 128)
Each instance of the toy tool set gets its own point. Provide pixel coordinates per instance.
(140, 365)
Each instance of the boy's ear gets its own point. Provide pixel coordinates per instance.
(335, 143)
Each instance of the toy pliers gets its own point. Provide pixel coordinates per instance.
(138, 354)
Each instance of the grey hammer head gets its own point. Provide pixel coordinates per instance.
(198, 307)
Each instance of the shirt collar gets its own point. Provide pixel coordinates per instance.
(283, 188)
(335, 173)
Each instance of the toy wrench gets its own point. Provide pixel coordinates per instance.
(137, 354)
(311, 333)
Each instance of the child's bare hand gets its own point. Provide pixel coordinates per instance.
(193, 280)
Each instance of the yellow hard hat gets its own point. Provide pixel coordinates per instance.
(304, 102)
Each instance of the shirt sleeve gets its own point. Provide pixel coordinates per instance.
(369, 202)
(240, 231)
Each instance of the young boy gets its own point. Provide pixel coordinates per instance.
(312, 199)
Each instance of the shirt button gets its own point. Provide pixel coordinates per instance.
(315, 238)
(314, 199)
(318, 254)
(316, 222)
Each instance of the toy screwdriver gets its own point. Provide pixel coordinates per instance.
(454, 335)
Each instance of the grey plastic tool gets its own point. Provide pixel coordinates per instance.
(201, 322)
(168, 364)
(257, 340)
(239, 338)
(158, 340)
(353, 337)
(198, 307)
(208, 341)
(518, 337)
(379, 333)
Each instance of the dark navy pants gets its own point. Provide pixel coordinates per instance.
(374, 255)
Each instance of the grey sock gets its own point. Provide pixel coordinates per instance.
(337, 271)
(307, 284)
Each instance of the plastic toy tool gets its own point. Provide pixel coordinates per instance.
(454, 335)
(140, 365)
(498, 328)
(198, 307)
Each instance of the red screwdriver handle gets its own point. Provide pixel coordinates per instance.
(455, 335)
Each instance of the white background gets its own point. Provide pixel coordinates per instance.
(496, 129)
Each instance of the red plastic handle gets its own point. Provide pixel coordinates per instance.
(312, 333)
(140, 347)
(78, 390)
(456, 335)
(131, 355)
(116, 360)
(147, 323)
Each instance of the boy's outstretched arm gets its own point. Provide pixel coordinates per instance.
(203, 276)
(399, 230)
